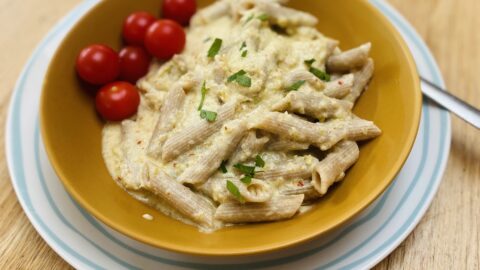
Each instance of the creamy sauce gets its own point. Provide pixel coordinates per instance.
(269, 57)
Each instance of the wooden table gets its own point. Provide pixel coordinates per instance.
(448, 237)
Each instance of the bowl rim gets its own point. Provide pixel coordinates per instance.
(238, 252)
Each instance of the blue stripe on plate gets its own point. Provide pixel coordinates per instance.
(24, 194)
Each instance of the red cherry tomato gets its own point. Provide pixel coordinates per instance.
(98, 64)
(164, 39)
(117, 101)
(134, 63)
(179, 10)
(135, 26)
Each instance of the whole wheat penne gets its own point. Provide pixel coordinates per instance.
(332, 168)
(210, 161)
(340, 87)
(362, 77)
(283, 145)
(192, 205)
(284, 16)
(286, 173)
(131, 170)
(303, 75)
(196, 133)
(248, 147)
(278, 208)
(168, 114)
(359, 130)
(304, 187)
(350, 59)
(313, 104)
(323, 135)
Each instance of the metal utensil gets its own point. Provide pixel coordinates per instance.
(450, 102)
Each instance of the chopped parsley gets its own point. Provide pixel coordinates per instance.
(215, 48)
(244, 53)
(320, 74)
(259, 162)
(249, 19)
(247, 170)
(235, 76)
(309, 62)
(223, 167)
(208, 115)
(204, 93)
(247, 180)
(295, 86)
(241, 78)
(234, 191)
(263, 17)
(244, 44)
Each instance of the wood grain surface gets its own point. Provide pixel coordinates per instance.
(446, 238)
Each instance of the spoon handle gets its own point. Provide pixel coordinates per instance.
(450, 102)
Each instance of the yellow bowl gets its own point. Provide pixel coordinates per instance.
(72, 134)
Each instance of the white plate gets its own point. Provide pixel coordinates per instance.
(86, 243)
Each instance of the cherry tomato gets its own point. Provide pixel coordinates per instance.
(134, 63)
(164, 39)
(98, 64)
(117, 101)
(135, 26)
(179, 10)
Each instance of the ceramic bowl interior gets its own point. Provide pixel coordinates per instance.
(71, 133)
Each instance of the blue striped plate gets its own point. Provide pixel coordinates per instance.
(86, 243)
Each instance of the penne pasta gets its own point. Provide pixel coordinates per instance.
(349, 60)
(190, 204)
(169, 112)
(249, 147)
(283, 145)
(303, 75)
(196, 133)
(210, 161)
(340, 87)
(304, 187)
(362, 77)
(322, 135)
(315, 105)
(278, 208)
(332, 168)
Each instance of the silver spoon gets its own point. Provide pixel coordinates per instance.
(450, 102)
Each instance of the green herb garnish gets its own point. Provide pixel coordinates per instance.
(249, 19)
(223, 167)
(246, 179)
(244, 53)
(247, 170)
(235, 192)
(215, 48)
(263, 17)
(295, 86)
(244, 44)
(204, 93)
(208, 115)
(309, 62)
(259, 162)
(235, 76)
(241, 78)
(244, 81)
(320, 74)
